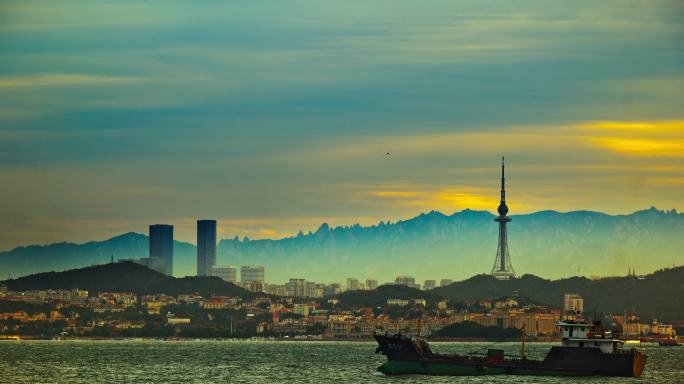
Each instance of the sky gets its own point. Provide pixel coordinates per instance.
(276, 116)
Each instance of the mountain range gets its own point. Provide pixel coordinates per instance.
(429, 246)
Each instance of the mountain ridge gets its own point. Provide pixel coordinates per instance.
(547, 243)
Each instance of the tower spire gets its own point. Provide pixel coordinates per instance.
(503, 181)
(503, 269)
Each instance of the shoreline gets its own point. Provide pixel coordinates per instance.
(10, 338)
(256, 339)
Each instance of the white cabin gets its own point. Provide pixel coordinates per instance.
(583, 335)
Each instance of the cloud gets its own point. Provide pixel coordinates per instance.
(446, 200)
(276, 117)
(56, 80)
(643, 139)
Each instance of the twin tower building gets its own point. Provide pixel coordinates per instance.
(161, 248)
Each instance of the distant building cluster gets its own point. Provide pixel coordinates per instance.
(252, 278)
(632, 327)
(299, 309)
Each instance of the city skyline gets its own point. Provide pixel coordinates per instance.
(287, 123)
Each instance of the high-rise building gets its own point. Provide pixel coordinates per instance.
(206, 246)
(320, 289)
(310, 289)
(249, 274)
(332, 289)
(371, 284)
(503, 269)
(445, 282)
(429, 284)
(255, 286)
(228, 274)
(161, 247)
(296, 287)
(352, 284)
(408, 281)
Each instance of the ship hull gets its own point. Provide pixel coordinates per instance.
(407, 357)
(433, 368)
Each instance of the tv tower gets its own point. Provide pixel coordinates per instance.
(503, 269)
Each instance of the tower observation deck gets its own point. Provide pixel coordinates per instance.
(503, 269)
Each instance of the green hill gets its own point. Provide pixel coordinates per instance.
(126, 277)
(658, 295)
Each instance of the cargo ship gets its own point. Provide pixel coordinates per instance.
(585, 350)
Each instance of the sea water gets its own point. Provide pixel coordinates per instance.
(143, 361)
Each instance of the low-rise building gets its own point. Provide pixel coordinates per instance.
(222, 302)
(399, 302)
(102, 308)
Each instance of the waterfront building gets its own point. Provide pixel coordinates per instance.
(503, 269)
(429, 284)
(206, 246)
(408, 281)
(661, 329)
(371, 284)
(161, 248)
(635, 329)
(352, 284)
(226, 273)
(249, 274)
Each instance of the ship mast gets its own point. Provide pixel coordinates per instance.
(522, 345)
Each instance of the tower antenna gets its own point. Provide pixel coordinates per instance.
(503, 269)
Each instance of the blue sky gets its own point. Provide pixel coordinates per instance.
(274, 116)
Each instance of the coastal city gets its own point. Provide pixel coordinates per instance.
(305, 310)
(298, 308)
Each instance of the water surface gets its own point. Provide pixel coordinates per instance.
(113, 361)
